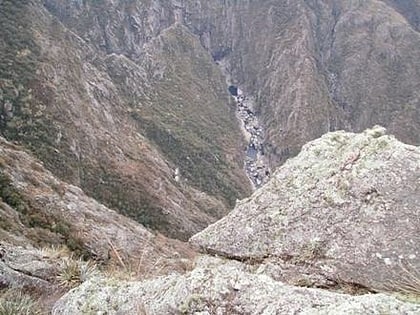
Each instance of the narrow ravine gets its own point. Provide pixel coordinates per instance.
(255, 164)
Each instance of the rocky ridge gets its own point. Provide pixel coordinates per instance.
(346, 209)
(342, 215)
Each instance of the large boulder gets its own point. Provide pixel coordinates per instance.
(345, 210)
(218, 286)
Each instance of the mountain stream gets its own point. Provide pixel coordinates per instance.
(255, 164)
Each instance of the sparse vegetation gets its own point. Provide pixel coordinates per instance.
(139, 268)
(315, 249)
(10, 194)
(23, 98)
(33, 218)
(19, 56)
(199, 165)
(408, 285)
(55, 251)
(74, 272)
(15, 302)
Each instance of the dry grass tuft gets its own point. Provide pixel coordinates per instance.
(146, 265)
(14, 302)
(55, 252)
(74, 272)
(408, 283)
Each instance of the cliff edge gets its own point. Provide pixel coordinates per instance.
(342, 215)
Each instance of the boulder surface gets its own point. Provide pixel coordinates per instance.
(346, 209)
(219, 286)
(342, 215)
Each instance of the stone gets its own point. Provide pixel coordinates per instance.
(26, 268)
(219, 286)
(347, 208)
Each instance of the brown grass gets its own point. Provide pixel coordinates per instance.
(408, 282)
(149, 262)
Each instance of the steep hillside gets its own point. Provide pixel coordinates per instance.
(53, 237)
(319, 66)
(120, 126)
(37, 209)
(128, 99)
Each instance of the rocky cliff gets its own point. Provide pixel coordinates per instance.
(346, 209)
(128, 100)
(320, 66)
(343, 215)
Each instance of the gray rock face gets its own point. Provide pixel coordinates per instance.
(217, 286)
(319, 66)
(26, 268)
(346, 208)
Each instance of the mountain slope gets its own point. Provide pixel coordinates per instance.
(126, 100)
(40, 210)
(119, 129)
(319, 66)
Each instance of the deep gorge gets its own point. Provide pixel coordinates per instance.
(126, 89)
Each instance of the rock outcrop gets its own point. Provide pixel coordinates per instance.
(342, 215)
(345, 209)
(217, 286)
(30, 270)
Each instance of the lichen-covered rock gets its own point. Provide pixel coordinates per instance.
(217, 286)
(346, 208)
(26, 268)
